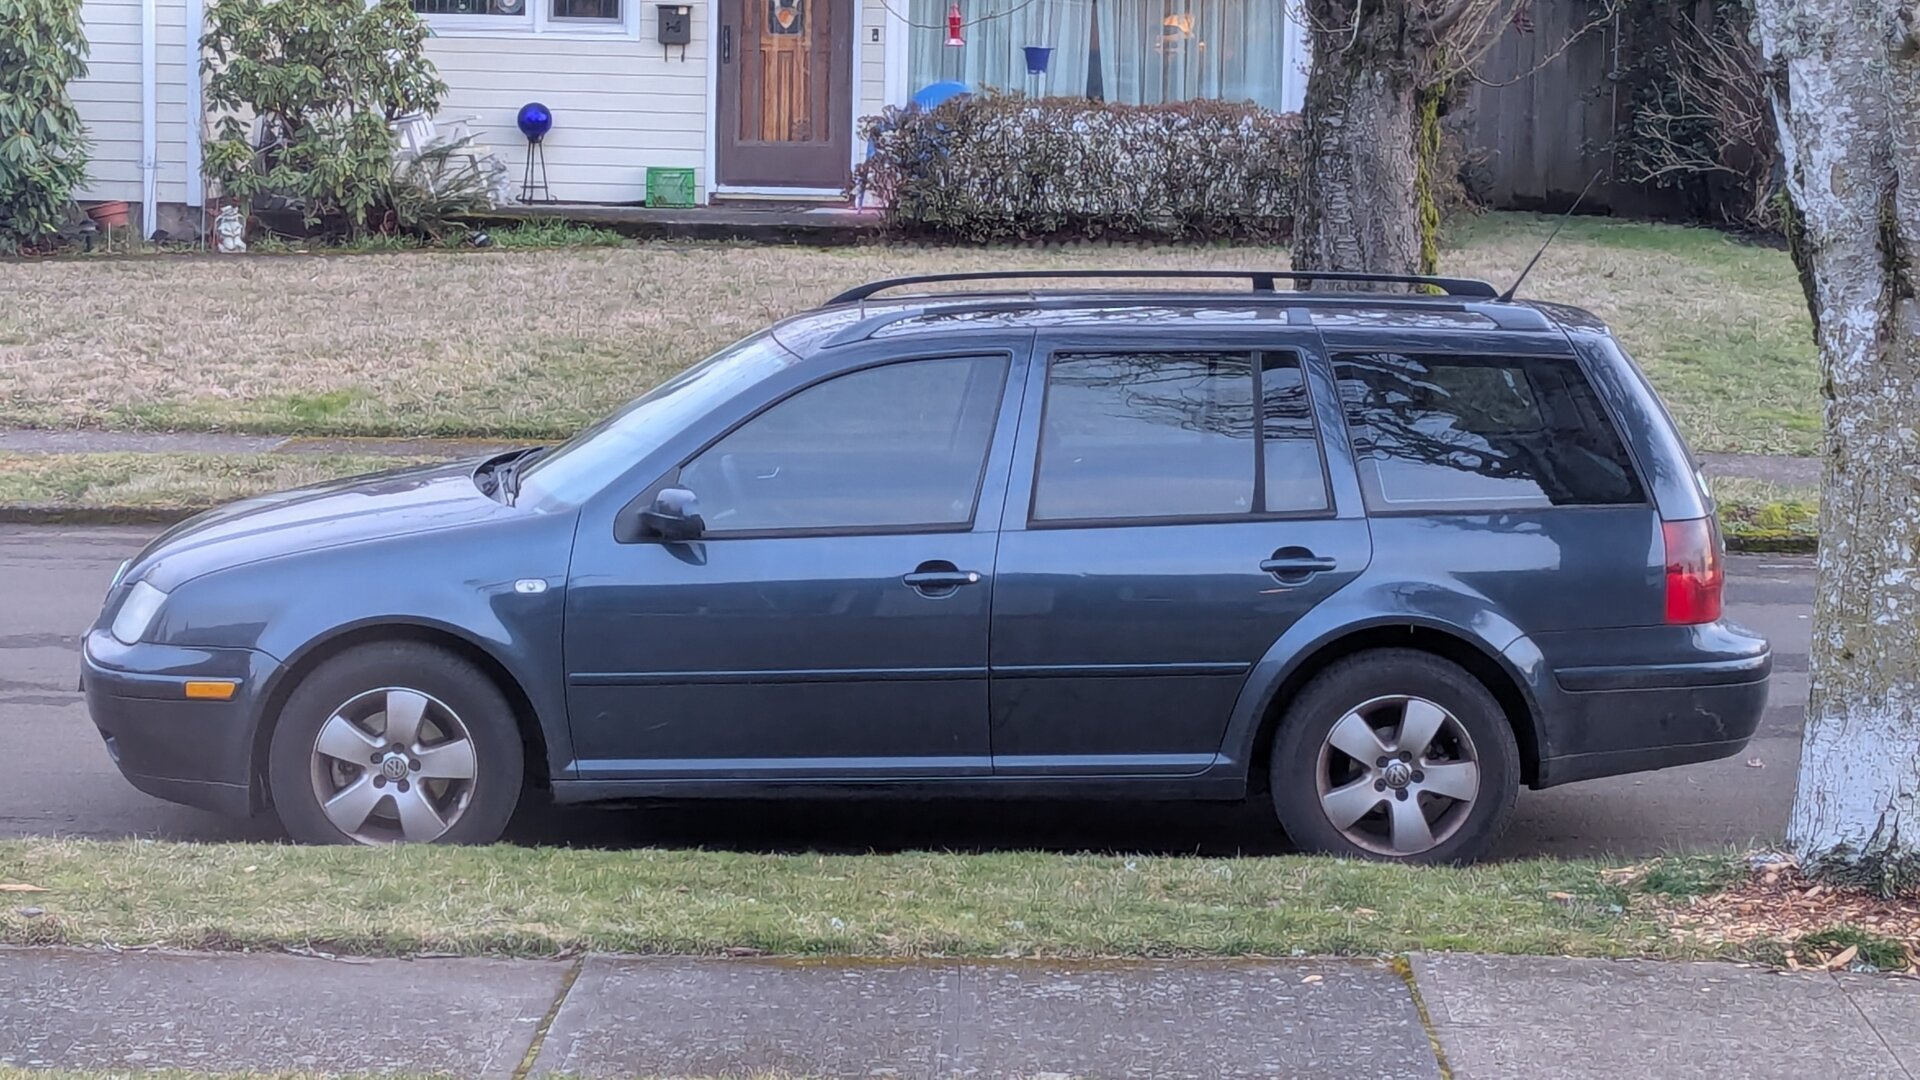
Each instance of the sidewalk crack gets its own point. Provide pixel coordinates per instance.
(1847, 996)
(1403, 967)
(546, 1022)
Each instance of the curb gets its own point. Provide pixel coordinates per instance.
(97, 515)
(1772, 545)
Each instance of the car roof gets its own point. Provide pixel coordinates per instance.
(863, 314)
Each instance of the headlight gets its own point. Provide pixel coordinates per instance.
(137, 613)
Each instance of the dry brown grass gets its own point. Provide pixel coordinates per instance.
(538, 343)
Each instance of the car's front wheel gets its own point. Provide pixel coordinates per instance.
(394, 742)
(1395, 754)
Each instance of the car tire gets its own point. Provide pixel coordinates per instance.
(1362, 804)
(331, 756)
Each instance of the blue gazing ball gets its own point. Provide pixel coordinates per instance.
(535, 121)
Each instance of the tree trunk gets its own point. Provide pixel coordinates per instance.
(1356, 209)
(1846, 89)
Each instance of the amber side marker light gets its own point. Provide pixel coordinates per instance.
(211, 691)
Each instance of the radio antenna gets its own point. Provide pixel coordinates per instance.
(1515, 287)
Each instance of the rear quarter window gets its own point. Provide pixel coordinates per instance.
(1464, 433)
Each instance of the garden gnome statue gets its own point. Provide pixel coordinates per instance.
(231, 230)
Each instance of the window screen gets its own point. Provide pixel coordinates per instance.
(1158, 435)
(897, 446)
(1441, 432)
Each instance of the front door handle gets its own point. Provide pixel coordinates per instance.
(938, 577)
(726, 44)
(1294, 565)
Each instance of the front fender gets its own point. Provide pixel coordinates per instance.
(462, 583)
(1371, 611)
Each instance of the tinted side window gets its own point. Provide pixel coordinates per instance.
(1452, 432)
(889, 447)
(1159, 435)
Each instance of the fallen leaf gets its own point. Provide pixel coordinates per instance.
(742, 950)
(1311, 979)
(18, 886)
(1846, 957)
(1560, 897)
(30, 912)
(1364, 911)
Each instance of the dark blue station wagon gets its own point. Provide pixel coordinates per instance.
(1379, 558)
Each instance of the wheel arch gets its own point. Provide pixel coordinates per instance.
(533, 736)
(1483, 662)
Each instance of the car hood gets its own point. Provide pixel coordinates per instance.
(381, 505)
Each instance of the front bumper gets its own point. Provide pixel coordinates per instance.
(196, 752)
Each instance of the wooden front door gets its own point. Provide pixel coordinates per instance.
(785, 93)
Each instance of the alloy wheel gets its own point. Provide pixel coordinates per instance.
(392, 765)
(1397, 775)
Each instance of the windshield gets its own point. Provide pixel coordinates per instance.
(569, 475)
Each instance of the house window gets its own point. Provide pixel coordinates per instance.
(500, 8)
(1135, 52)
(563, 17)
(604, 10)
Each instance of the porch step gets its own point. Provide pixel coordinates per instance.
(789, 223)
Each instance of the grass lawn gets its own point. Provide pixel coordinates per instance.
(537, 343)
(540, 901)
(166, 481)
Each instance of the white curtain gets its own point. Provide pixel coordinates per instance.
(1154, 51)
(994, 57)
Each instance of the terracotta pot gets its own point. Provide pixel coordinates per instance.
(113, 214)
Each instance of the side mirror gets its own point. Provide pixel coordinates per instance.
(674, 516)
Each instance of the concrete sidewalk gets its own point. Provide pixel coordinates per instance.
(1479, 1017)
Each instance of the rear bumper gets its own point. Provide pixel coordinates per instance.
(1606, 720)
(199, 753)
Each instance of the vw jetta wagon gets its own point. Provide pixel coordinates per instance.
(1379, 559)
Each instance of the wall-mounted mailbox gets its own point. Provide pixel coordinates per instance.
(676, 24)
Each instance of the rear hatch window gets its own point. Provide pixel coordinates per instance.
(1468, 433)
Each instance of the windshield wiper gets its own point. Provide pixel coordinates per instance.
(509, 472)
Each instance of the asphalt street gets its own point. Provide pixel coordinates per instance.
(55, 779)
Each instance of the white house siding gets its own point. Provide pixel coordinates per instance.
(109, 100)
(870, 89)
(619, 105)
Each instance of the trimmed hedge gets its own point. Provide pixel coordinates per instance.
(1002, 166)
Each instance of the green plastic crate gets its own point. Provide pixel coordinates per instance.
(669, 187)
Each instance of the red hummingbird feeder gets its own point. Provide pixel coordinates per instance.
(956, 27)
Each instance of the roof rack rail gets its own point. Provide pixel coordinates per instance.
(1261, 280)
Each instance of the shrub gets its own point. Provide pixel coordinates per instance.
(995, 167)
(430, 192)
(325, 79)
(43, 147)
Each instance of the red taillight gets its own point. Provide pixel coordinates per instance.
(1694, 573)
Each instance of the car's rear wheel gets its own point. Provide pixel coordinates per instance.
(1398, 755)
(395, 742)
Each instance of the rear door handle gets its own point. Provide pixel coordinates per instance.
(1294, 565)
(726, 44)
(941, 579)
